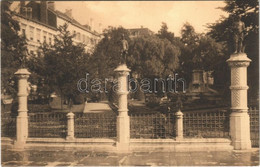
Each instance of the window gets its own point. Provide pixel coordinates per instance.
(38, 35)
(29, 12)
(23, 11)
(78, 36)
(87, 39)
(50, 39)
(44, 36)
(23, 28)
(31, 33)
(83, 38)
(26, 12)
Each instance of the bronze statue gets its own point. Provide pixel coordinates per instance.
(239, 34)
(124, 49)
(22, 58)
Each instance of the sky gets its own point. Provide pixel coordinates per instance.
(149, 14)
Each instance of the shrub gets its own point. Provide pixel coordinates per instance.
(153, 101)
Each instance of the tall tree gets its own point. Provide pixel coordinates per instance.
(153, 57)
(148, 56)
(222, 32)
(62, 65)
(107, 56)
(188, 35)
(163, 33)
(13, 49)
(188, 43)
(198, 46)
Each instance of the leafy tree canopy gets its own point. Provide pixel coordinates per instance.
(61, 65)
(153, 57)
(198, 51)
(163, 33)
(147, 55)
(221, 31)
(13, 49)
(107, 56)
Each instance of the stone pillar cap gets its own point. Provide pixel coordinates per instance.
(70, 114)
(22, 71)
(179, 112)
(239, 57)
(122, 67)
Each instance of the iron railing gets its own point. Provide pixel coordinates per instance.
(206, 124)
(48, 125)
(254, 125)
(95, 125)
(152, 126)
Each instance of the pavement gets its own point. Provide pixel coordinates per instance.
(90, 158)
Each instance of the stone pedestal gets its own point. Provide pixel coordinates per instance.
(179, 125)
(239, 118)
(70, 123)
(22, 118)
(123, 122)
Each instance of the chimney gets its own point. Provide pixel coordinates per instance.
(68, 12)
(51, 5)
(43, 12)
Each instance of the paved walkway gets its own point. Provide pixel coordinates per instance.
(87, 158)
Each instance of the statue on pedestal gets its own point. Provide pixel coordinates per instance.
(22, 58)
(239, 34)
(123, 49)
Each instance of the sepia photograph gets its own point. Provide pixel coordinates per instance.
(130, 83)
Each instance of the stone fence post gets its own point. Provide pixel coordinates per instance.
(179, 125)
(123, 122)
(70, 128)
(22, 118)
(239, 118)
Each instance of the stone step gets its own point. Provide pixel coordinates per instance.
(92, 144)
(214, 144)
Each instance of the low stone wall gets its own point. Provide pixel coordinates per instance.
(109, 145)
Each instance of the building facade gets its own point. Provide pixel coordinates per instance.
(39, 22)
(83, 33)
(139, 32)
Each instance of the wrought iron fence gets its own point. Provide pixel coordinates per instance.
(47, 125)
(206, 124)
(152, 126)
(8, 125)
(254, 125)
(95, 125)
